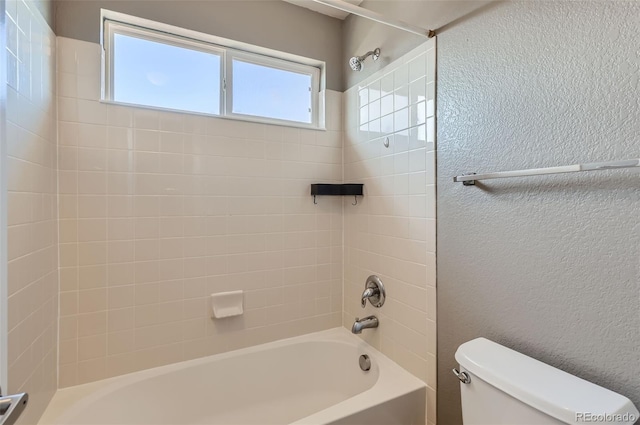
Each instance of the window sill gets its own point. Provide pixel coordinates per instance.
(257, 120)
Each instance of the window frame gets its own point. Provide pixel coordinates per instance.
(157, 37)
(115, 22)
(274, 63)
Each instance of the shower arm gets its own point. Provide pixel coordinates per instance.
(375, 53)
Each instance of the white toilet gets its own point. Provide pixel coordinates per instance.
(507, 387)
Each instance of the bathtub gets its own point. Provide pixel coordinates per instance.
(312, 379)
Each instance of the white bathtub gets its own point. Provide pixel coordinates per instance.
(312, 379)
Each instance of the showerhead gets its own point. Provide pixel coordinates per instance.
(356, 62)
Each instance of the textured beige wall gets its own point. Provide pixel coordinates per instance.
(31, 208)
(158, 210)
(548, 266)
(391, 232)
(268, 23)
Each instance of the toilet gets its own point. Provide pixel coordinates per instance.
(501, 386)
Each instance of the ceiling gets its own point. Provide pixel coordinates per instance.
(321, 8)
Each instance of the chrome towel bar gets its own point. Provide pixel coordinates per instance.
(470, 179)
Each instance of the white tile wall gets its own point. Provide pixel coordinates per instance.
(158, 210)
(391, 232)
(31, 207)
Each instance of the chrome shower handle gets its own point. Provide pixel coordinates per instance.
(374, 292)
(368, 293)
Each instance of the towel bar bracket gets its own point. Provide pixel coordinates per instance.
(469, 182)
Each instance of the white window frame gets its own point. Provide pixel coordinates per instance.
(115, 22)
(275, 64)
(111, 28)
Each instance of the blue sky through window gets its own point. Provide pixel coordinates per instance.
(166, 76)
(270, 92)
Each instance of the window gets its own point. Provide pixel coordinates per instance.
(155, 73)
(265, 91)
(161, 66)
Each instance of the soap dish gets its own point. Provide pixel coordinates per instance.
(226, 304)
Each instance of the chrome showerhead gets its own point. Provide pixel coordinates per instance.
(356, 62)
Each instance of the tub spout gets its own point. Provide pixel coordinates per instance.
(364, 323)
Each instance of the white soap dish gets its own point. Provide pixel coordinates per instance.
(226, 304)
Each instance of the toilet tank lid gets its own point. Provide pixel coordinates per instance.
(558, 394)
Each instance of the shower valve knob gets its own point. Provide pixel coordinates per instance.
(374, 292)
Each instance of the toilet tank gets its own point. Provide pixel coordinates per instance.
(507, 387)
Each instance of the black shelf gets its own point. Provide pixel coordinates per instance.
(349, 189)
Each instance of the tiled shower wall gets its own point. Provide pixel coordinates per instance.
(391, 231)
(158, 210)
(31, 207)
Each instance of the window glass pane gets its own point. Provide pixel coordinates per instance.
(157, 74)
(270, 92)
